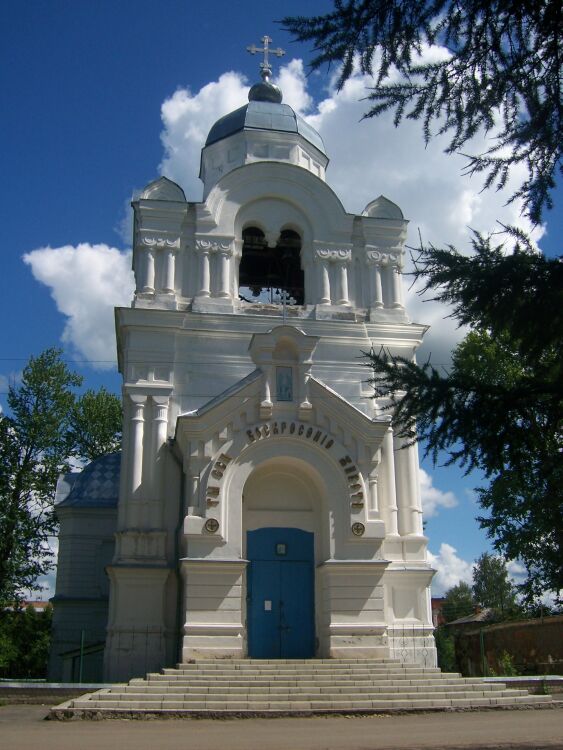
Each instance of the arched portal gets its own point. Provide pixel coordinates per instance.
(282, 529)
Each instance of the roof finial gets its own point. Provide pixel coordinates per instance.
(265, 67)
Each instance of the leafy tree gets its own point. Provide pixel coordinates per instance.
(445, 647)
(458, 602)
(95, 424)
(37, 439)
(500, 407)
(25, 638)
(501, 73)
(492, 587)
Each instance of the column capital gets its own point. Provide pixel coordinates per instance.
(384, 257)
(222, 245)
(333, 254)
(165, 243)
(138, 399)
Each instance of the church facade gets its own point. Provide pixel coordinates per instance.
(264, 506)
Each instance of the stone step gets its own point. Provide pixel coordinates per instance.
(279, 662)
(297, 674)
(288, 697)
(225, 666)
(366, 681)
(304, 705)
(278, 689)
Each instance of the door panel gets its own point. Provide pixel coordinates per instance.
(296, 610)
(264, 610)
(280, 611)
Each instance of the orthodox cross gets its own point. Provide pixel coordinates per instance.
(266, 68)
(286, 299)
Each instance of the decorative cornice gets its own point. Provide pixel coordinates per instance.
(161, 242)
(391, 257)
(334, 254)
(215, 245)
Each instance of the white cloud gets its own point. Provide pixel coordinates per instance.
(187, 120)
(86, 282)
(450, 569)
(433, 498)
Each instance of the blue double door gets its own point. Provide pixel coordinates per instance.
(281, 611)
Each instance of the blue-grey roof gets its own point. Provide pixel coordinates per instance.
(97, 485)
(260, 115)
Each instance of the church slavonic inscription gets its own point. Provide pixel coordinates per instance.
(294, 429)
(219, 467)
(315, 435)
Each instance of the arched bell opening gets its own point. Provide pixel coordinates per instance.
(265, 273)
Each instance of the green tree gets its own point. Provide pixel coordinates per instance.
(37, 439)
(492, 587)
(95, 424)
(458, 602)
(500, 407)
(445, 647)
(25, 638)
(501, 73)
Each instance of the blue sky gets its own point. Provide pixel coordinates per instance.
(97, 100)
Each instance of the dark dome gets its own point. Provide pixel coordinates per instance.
(265, 92)
(97, 485)
(264, 115)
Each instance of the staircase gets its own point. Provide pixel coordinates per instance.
(254, 687)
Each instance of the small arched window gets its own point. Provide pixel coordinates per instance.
(265, 272)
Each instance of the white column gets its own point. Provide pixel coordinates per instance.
(191, 492)
(415, 509)
(324, 283)
(159, 436)
(136, 442)
(342, 276)
(388, 471)
(204, 274)
(396, 286)
(373, 500)
(223, 273)
(402, 485)
(169, 271)
(377, 293)
(149, 272)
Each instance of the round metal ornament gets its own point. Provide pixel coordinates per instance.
(211, 525)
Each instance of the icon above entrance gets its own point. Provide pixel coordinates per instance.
(281, 611)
